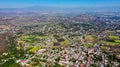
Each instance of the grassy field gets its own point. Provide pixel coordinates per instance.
(65, 42)
(32, 38)
(28, 38)
(34, 49)
(88, 45)
(115, 43)
(111, 43)
(90, 38)
(118, 41)
(113, 37)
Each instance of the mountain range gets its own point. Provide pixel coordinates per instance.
(60, 9)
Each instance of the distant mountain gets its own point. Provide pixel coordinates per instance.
(58, 9)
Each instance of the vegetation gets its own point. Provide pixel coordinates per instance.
(28, 38)
(117, 41)
(113, 37)
(111, 43)
(88, 45)
(11, 63)
(34, 49)
(65, 42)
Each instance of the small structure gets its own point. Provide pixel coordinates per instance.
(60, 40)
(56, 44)
(41, 51)
(90, 51)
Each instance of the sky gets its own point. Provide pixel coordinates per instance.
(57, 3)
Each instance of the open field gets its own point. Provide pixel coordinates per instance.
(65, 42)
(111, 43)
(88, 45)
(34, 49)
(114, 37)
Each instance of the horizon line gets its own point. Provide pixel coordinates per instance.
(62, 7)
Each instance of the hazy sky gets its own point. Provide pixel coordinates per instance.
(58, 3)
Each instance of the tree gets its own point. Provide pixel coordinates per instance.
(57, 65)
(57, 59)
(97, 58)
(11, 63)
